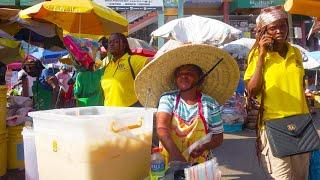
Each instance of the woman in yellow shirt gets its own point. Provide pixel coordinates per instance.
(118, 73)
(121, 68)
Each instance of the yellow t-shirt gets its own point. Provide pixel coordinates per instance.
(118, 83)
(283, 78)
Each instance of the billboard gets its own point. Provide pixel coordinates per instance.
(137, 5)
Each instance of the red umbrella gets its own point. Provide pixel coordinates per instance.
(141, 47)
(15, 66)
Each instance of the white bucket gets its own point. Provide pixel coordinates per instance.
(30, 155)
(93, 143)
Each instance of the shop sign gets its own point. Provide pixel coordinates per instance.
(137, 5)
(29, 2)
(7, 2)
(245, 4)
(170, 3)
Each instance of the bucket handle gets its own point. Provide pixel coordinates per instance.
(138, 124)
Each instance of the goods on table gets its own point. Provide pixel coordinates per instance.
(233, 113)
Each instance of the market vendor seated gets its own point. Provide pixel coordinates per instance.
(45, 89)
(190, 112)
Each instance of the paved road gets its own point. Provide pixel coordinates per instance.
(237, 156)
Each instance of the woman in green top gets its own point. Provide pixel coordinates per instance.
(113, 84)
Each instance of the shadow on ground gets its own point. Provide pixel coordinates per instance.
(237, 157)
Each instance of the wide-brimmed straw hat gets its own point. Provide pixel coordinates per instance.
(157, 77)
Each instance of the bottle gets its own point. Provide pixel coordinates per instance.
(157, 169)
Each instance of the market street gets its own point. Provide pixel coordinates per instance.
(237, 156)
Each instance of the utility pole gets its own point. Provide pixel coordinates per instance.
(180, 8)
(291, 35)
(160, 23)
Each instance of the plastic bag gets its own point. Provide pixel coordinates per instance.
(205, 171)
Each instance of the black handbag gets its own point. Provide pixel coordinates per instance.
(292, 135)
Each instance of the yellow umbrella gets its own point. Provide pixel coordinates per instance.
(10, 51)
(78, 16)
(303, 7)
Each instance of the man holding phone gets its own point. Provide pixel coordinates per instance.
(275, 76)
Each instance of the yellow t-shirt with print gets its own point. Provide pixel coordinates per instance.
(283, 83)
(118, 83)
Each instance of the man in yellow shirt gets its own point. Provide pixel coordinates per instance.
(118, 79)
(275, 69)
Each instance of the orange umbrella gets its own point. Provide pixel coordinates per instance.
(303, 7)
(78, 16)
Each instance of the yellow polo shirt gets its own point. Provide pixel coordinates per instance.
(118, 83)
(283, 78)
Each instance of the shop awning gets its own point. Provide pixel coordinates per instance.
(303, 7)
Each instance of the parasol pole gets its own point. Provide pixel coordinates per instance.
(316, 79)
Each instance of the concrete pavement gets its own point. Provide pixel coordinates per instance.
(237, 155)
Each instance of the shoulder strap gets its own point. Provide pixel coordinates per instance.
(131, 69)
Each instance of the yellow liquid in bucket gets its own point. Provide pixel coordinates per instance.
(3, 118)
(118, 158)
(15, 148)
(3, 107)
(3, 96)
(3, 153)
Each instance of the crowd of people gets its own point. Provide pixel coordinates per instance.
(188, 108)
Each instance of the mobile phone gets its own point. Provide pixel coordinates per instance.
(270, 46)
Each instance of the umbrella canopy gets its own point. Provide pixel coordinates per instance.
(315, 55)
(169, 45)
(303, 7)
(198, 30)
(5, 35)
(11, 23)
(141, 47)
(239, 48)
(9, 50)
(46, 56)
(78, 16)
(309, 62)
(15, 66)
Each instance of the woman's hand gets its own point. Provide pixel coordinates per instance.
(263, 44)
(177, 157)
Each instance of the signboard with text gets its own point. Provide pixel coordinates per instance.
(170, 3)
(121, 5)
(238, 4)
(7, 2)
(29, 2)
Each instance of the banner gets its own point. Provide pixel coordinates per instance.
(122, 5)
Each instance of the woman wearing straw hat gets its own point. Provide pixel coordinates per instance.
(190, 81)
(275, 74)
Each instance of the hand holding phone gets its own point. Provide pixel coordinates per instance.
(266, 44)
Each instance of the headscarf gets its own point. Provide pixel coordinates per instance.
(269, 15)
